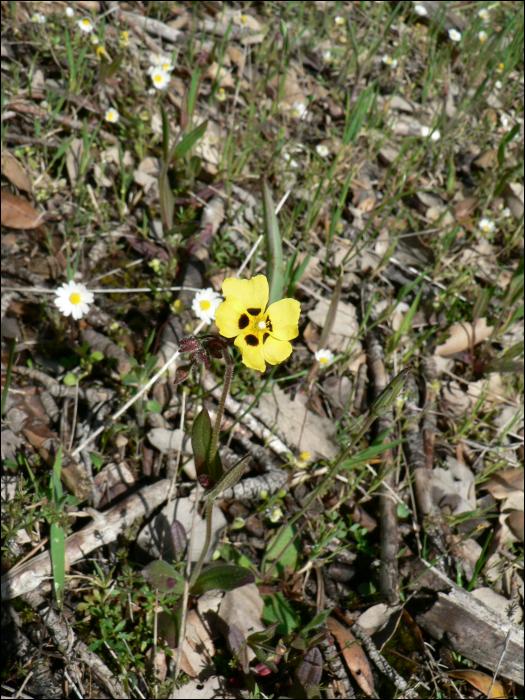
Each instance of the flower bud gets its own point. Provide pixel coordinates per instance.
(387, 397)
(189, 344)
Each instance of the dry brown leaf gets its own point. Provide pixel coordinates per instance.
(481, 681)
(319, 434)
(504, 483)
(345, 323)
(513, 194)
(353, 655)
(15, 173)
(464, 209)
(461, 336)
(515, 523)
(486, 160)
(18, 213)
(243, 608)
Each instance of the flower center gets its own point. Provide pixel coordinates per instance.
(261, 325)
(323, 360)
(75, 298)
(158, 78)
(205, 305)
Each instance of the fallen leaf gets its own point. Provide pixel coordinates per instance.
(486, 160)
(353, 655)
(17, 213)
(319, 434)
(502, 484)
(515, 523)
(15, 173)
(243, 608)
(513, 194)
(345, 324)
(460, 336)
(465, 208)
(481, 681)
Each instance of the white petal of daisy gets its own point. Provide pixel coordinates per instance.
(339, 21)
(483, 13)
(70, 12)
(112, 116)
(420, 10)
(205, 304)
(85, 25)
(160, 78)
(73, 299)
(322, 150)
(324, 357)
(39, 18)
(156, 59)
(389, 61)
(454, 35)
(483, 36)
(486, 225)
(299, 109)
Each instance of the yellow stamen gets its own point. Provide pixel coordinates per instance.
(205, 305)
(75, 298)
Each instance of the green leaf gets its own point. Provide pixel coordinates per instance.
(274, 248)
(188, 142)
(389, 394)
(153, 407)
(56, 485)
(229, 479)
(278, 609)
(216, 469)
(58, 560)
(96, 459)
(316, 622)
(200, 442)
(223, 577)
(96, 356)
(264, 635)
(276, 548)
(70, 379)
(163, 577)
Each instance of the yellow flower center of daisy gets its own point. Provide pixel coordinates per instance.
(158, 78)
(389, 60)
(501, 66)
(165, 66)
(205, 305)
(86, 23)
(323, 360)
(304, 456)
(75, 298)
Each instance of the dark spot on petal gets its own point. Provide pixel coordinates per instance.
(254, 312)
(252, 340)
(265, 337)
(269, 325)
(243, 321)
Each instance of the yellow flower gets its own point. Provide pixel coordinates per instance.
(261, 335)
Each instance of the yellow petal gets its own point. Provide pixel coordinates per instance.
(276, 351)
(251, 347)
(253, 294)
(284, 318)
(231, 317)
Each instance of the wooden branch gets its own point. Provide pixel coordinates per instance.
(106, 527)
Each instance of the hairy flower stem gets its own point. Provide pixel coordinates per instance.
(213, 451)
(222, 402)
(198, 568)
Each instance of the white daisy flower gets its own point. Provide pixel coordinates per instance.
(454, 35)
(389, 61)
(70, 12)
(205, 304)
(160, 78)
(159, 61)
(504, 121)
(327, 56)
(73, 299)
(112, 116)
(506, 213)
(483, 13)
(288, 158)
(483, 36)
(324, 357)
(420, 10)
(38, 18)
(498, 85)
(299, 110)
(339, 21)
(486, 225)
(322, 150)
(425, 131)
(86, 25)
